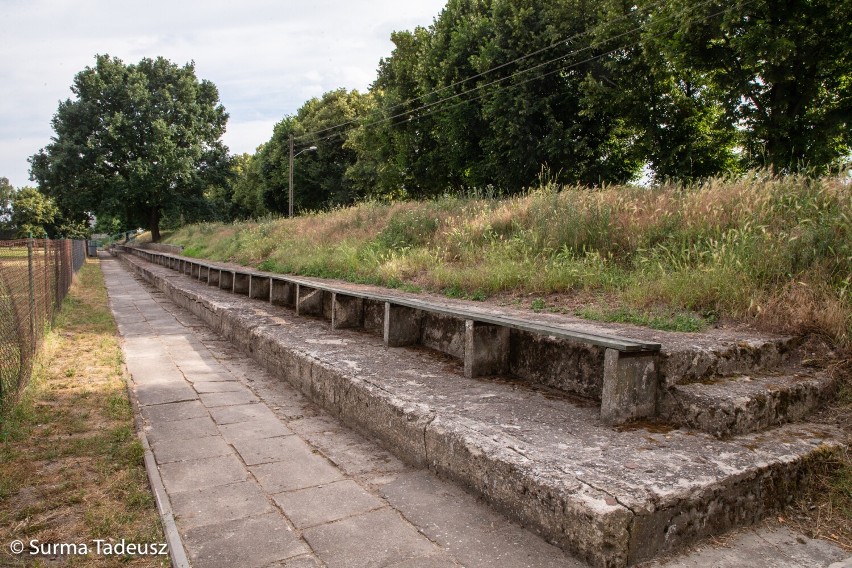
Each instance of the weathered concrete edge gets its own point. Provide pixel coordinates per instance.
(177, 552)
(416, 434)
(616, 536)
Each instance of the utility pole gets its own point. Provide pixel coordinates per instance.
(311, 149)
(290, 202)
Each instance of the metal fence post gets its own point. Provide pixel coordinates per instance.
(32, 291)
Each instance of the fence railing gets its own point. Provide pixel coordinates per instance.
(35, 276)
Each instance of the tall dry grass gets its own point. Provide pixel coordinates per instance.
(773, 251)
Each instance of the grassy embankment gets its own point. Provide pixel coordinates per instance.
(71, 467)
(773, 252)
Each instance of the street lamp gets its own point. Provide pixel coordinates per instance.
(311, 149)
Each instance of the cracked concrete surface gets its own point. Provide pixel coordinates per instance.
(202, 356)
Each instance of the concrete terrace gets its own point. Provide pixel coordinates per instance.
(534, 450)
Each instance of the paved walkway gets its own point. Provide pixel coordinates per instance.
(256, 475)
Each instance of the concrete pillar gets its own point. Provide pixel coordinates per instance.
(308, 301)
(346, 311)
(402, 325)
(226, 280)
(204, 274)
(486, 349)
(259, 287)
(282, 293)
(242, 282)
(629, 387)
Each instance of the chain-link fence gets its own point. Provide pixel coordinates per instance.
(35, 276)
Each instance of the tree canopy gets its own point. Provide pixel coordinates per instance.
(139, 141)
(495, 92)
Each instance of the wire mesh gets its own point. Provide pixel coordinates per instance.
(35, 276)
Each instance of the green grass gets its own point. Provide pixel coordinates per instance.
(71, 466)
(772, 251)
(684, 322)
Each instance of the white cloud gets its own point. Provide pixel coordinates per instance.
(266, 57)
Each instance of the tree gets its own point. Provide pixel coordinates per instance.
(396, 154)
(6, 192)
(32, 212)
(782, 68)
(681, 129)
(248, 184)
(140, 141)
(320, 176)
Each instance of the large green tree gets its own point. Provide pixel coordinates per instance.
(319, 176)
(138, 142)
(782, 68)
(33, 213)
(6, 192)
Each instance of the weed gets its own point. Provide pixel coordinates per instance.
(736, 248)
(666, 321)
(71, 467)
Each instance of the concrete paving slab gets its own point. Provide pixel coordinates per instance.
(257, 451)
(188, 429)
(770, 547)
(306, 561)
(220, 376)
(255, 428)
(150, 373)
(202, 473)
(351, 452)
(228, 398)
(204, 387)
(307, 471)
(317, 505)
(436, 561)
(168, 451)
(378, 538)
(253, 542)
(161, 393)
(138, 329)
(473, 533)
(172, 411)
(213, 505)
(241, 413)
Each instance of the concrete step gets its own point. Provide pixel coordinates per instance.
(727, 406)
(612, 496)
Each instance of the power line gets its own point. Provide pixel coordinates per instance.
(517, 73)
(492, 69)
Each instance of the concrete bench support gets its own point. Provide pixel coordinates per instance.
(242, 283)
(226, 280)
(308, 301)
(402, 325)
(187, 267)
(259, 287)
(486, 349)
(204, 274)
(346, 311)
(194, 270)
(283, 293)
(629, 387)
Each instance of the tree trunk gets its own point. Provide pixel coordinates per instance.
(155, 225)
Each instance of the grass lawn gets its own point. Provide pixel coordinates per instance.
(71, 466)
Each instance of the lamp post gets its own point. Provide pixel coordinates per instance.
(311, 149)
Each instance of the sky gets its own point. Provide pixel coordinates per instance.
(266, 57)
